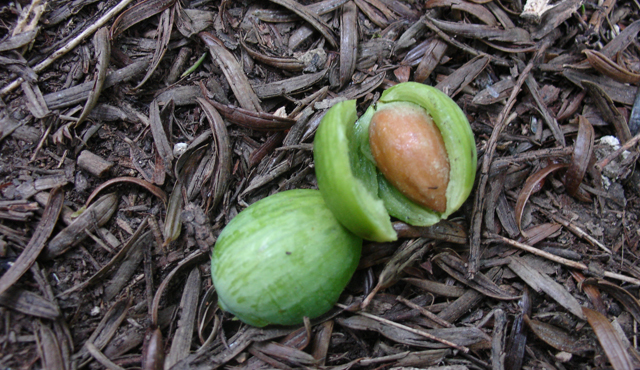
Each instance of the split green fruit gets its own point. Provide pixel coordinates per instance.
(283, 258)
(411, 156)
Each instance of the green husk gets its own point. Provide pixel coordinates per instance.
(352, 200)
(353, 187)
(283, 258)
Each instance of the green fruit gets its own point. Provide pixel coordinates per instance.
(283, 258)
(354, 189)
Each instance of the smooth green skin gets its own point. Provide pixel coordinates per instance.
(283, 258)
(348, 197)
(353, 187)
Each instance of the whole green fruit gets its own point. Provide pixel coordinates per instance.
(283, 258)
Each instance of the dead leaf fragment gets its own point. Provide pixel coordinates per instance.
(533, 184)
(582, 152)
(609, 340)
(541, 282)
(608, 67)
(558, 338)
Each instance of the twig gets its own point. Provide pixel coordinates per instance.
(101, 358)
(557, 259)
(407, 328)
(605, 161)
(462, 46)
(478, 203)
(70, 45)
(576, 230)
(430, 315)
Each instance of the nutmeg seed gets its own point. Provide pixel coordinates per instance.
(408, 149)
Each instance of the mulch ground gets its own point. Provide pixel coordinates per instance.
(166, 119)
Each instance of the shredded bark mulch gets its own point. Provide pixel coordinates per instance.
(132, 132)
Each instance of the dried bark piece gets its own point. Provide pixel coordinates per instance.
(160, 131)
(321, 342)
(164, 35)
(372, 51)
(222, 149)
(356, 91)
(288, 64)
(498, 340)
(477, 31)
(194, 258)
(506, 216)
(444, 337)
(150, 187)
(609, 340)
(37, 241)
(634, 118)
(291, 355)
(49, 348)
(29, 303)
(549, 119)
(181, 340)
(444, 230)
(434, 52)
(289, 86)
(34, 100)
(494, 93)
(558, 338)
(370, 12)
(582, 152)
(272, 142)
(477, 10)
(541, 282)
(206, 313)
(617, 91)
(533, 184)
(193, 21)
(464, 47)
(463, 76)
(608, 67)
(258, 121)
(629, 302)
(310, 17)
(551, 20)
(19, 40)
(105, 330)
(127, 264)
(173, 221)
(348, 41)
(404, 256)
(100, 357)
(540, 232)
(277, 16)
(152, 351)
(74, 95)
(94, 164)
(517, 339)
(138, 13)
(102, 46)
(93, 217)
(609, 111)
(233, 72)
(456, 268)
(436, 288)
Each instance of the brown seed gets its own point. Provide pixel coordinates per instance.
(409, 151)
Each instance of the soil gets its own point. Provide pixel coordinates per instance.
(166, 119)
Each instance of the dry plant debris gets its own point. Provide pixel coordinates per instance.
(131, 133)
